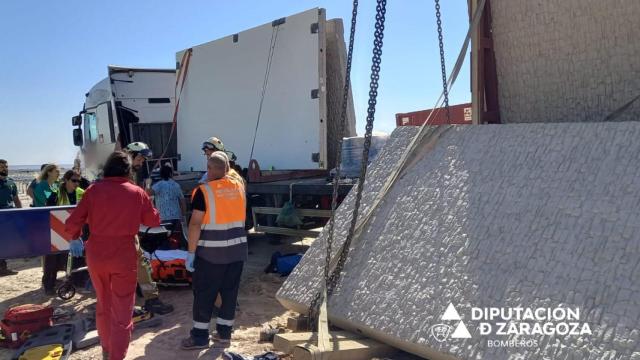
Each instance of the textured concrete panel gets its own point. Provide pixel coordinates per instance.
(528, 215)
(566, 60)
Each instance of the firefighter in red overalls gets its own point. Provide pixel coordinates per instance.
(114, 208)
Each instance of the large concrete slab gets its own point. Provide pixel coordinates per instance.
(521, 215)
(566, 60)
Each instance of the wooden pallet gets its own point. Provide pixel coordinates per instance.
(345, 345)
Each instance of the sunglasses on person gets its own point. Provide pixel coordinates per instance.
(76, 181)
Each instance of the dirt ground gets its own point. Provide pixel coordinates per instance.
(257, 307)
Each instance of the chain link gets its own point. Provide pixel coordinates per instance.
(371, 110)
(445, 89)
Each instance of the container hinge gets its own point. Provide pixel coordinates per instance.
(314, 28)
(314, 93)
(315, 157)
(235, 38)
(279, 22)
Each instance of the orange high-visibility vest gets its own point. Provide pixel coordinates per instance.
(223, 239)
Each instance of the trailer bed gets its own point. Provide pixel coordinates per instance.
(310, 186)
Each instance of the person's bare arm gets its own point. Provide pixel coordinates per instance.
(30, 192)
(17, 202)
(195, 226)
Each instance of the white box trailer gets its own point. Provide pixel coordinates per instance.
(223, 95)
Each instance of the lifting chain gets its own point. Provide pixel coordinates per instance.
(445, 89)
(332, 278)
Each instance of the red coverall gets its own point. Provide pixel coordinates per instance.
(114, 208)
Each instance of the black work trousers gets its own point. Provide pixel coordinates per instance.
(209, 280)
(51, 264)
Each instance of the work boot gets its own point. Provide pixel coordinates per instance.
(4, 270)
(192, 343)
(157, 307)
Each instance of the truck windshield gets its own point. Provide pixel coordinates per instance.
(90, 128)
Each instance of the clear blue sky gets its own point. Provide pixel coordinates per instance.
(54, 51)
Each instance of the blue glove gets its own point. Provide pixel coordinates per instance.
(189, 262)
(76, 248)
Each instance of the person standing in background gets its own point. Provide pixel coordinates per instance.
(52, 263)
(69, 191)
(8, 199)
(32, 185)
(169, 198)
(47, 185)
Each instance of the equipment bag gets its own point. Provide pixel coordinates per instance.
(282, 264)
(20, 322)
(288, 216)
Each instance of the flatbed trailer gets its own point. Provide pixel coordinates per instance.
(311, 195)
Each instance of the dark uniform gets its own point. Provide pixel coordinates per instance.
(8, 191)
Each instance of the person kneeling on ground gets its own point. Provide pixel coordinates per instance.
(217, 252)
(114, 208)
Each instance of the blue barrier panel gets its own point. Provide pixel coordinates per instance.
(27, 232)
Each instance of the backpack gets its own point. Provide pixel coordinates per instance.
(282, 264)
(21, 321)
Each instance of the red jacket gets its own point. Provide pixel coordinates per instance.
(113, 208)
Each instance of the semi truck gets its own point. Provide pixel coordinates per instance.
(272, 94)
(130, 104)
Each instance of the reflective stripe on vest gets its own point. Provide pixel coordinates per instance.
(222, 243)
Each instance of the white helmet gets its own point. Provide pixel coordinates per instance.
(139, 147)
(213, 143)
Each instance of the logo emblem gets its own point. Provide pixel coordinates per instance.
(441, 332)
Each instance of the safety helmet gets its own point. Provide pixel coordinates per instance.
(213, 143)
(141, 148)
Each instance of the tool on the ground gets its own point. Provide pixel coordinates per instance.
(86, 335)
(53, 343)
(269, 332)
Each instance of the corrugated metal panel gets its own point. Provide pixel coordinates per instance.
(460, 114)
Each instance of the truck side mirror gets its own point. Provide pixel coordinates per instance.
(76, 120)
(77, 137)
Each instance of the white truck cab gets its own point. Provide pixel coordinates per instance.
(131, 104)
